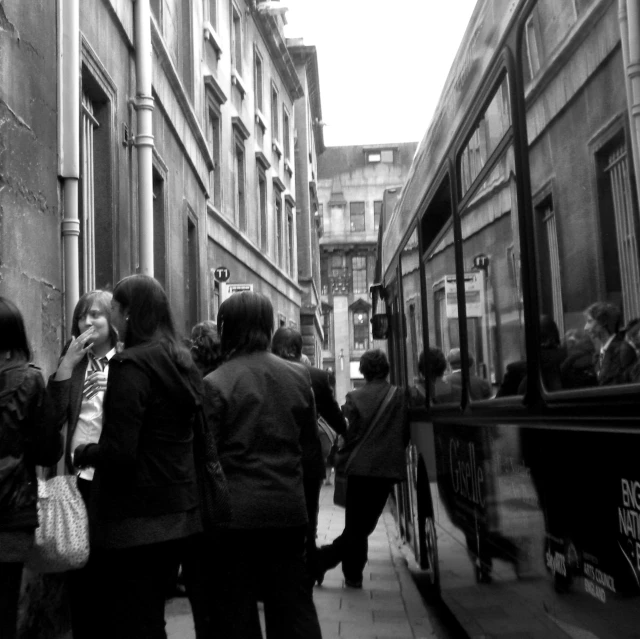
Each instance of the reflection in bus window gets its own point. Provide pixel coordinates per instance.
(491, 253)
(411, 297)
(585, 211)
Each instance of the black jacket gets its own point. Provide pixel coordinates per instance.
(263, 415)
(144, 460)
(25, 440)
(326, 405)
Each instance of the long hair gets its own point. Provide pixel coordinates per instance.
(13, 336)
(146, 305)
(103, 300)
(245, 323)
(205, 346)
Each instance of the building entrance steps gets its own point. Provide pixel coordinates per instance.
(389, 605)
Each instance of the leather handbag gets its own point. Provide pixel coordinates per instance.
(215, 502)
(62, 536)
(350, 450)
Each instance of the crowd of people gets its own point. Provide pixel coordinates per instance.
(121, 411)
(602, 353)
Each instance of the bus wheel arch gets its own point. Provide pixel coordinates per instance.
(427, 540)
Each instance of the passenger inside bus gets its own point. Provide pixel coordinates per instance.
(440, 391)
(478, 387)
(603, 326)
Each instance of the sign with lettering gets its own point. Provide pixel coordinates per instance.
(221, 274)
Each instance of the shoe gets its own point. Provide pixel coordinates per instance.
(319, 576)
(349, 583)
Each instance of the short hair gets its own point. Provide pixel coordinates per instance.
(13, 336)
(149, 317)
(549, 333)
(245, 323)
(205, 346)
(102, 299)
(438, 362)
(287, 343)
(455, 358)
(606, 314)
(374, 365)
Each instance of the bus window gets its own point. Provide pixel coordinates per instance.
(585, 211)
(412, 300)
(441, 303)
(492, 278)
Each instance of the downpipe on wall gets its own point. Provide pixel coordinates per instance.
(629, 15)
(144, 105)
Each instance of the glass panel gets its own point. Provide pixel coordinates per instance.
(491, 254)
(412, 300)
(585, 211)
(490, 130)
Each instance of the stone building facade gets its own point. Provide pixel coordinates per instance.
(351, 184)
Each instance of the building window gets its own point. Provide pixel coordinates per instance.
(338, 274)
(286, 135)
(290, 241)
(215, 184)
(262, 208)
(159, 236)
(236, 39)
(356, 210)
(275, 128)
(360, 331)
(373, 158)
(258, 80)
(324, 275)
(359, 274)
(282, 320)
(211, 12)
(327, 329)
(533, 53)
(277, 203)
(377, 210)
(239, 184)
(386, 156)
(191, 275)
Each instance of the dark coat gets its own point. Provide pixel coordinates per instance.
(326, 405)
(25, 440)
(144, 461)
(383, 452)
(64, 402)
(478, 387)
(610, 369)
(263, 415)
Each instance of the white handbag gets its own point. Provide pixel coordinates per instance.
(62, 536)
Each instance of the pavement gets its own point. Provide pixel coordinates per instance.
(389, 605)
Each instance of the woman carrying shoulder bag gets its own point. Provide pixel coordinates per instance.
(377, 437)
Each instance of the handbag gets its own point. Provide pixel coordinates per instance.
(350, 450)
(215, 502)
(62, 536)
(327, 437)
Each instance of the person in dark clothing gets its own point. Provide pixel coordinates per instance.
(144, 511)
(287, 343)
(377, 466)
(205, 347)
(264, 419)
(603, 326)
(75, 395)
(578, 370)
(478, 387)
(631, 356)
(25, 440)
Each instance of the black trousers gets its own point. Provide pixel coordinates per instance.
(267, 564)
(366, 499)
(10, 579)
(312, 487)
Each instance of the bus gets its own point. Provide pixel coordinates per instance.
(509, 283)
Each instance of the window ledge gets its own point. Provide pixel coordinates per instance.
(212, 38)
(277, 149)
(260, 119)
(288, 168)
(238, 82)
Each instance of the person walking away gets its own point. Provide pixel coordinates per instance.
(205, 347)
(287, 343)
(25, 440)
(264, 418)
(75, 395)
(378, 464)
(144, 500)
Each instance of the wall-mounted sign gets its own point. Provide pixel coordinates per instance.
(221, 274)
(473, 283)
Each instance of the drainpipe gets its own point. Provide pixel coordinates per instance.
(69, 147)
(631, 33)
(144, 138)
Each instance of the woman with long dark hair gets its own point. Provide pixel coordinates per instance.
(144, 511)
(263, 417)
(25, 440)
(75, 396)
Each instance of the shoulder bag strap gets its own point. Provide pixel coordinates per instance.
(372, 425)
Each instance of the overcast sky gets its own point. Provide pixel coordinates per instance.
(382, 63)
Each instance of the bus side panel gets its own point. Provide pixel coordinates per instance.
(538, 528)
